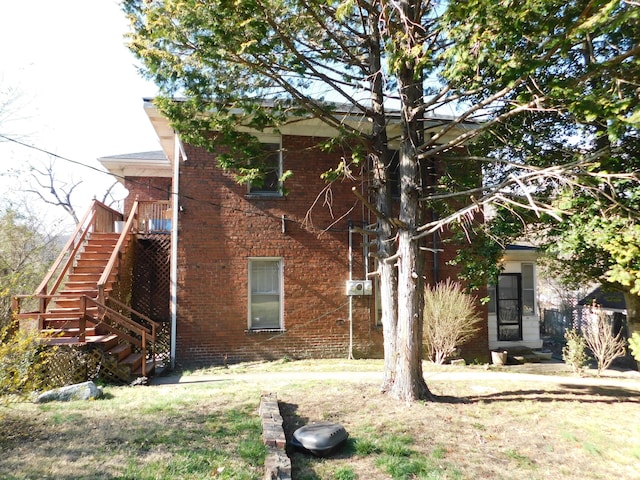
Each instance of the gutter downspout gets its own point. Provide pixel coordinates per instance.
(350, 353)
(178, 152)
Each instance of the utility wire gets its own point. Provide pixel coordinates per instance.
(170, 193)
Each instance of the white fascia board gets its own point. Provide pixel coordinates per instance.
(311, 127)
(124, 166)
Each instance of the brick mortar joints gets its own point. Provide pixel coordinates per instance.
(277, 463)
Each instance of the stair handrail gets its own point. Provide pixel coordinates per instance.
(154, 325)
(106, 273)
(71, 249)
(146, 334)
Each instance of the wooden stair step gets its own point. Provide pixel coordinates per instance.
(99, 245)
(81, 285)
(88, 269)
(96, 235)
(68, 304)
(68, 292)
(67, 332)
(84, 277)
(91, 262)
(94, 339)
(71, 302)
(59, 341)
(70, 322)
(150, 369)
(59, 311)
(120, 351)
(134, 361)
(106, 341)
(102, 248)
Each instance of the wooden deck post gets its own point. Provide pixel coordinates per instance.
(82, 321)
(143, 366)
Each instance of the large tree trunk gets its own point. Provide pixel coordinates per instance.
(388, 296)
(382, 192)
(633, 312)
(409, 384)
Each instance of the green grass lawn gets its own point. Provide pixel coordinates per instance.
(209, 428)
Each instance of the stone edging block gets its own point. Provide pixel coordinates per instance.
(277, 463)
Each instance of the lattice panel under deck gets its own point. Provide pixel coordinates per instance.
(70, 365)
(151, 274)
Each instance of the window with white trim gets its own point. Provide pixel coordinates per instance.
(528, 289)
(270, 160)
(265, 294)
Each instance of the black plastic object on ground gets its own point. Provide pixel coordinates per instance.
(321, 439)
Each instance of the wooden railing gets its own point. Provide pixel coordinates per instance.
(98, 218)
(154, 217)
(122, 323)
(131, 326)
(134, 327)
(118, 251)
(33, 319)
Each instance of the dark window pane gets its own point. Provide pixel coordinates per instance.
(270, 162)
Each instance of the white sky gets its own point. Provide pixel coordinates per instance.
(80, 95)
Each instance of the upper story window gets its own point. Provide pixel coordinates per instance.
(271, 160)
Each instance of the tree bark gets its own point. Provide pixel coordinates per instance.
(380, 163)
(633, 312)
(409, 384)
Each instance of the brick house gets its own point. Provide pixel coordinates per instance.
(254, 274)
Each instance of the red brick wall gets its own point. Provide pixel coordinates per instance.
(220, 228)
(146, 188)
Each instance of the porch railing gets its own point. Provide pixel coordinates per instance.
(118, 250)
(143, 333)
(154, 216)
(98, 218)
(134, 327)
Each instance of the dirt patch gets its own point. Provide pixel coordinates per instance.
(502, 430)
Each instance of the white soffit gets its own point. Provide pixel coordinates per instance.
(312, 127)
(143, 164)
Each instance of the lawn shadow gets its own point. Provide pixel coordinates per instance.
(303, 463)
(563, 392)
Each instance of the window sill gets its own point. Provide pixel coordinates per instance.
(253, 331)
(264, 196)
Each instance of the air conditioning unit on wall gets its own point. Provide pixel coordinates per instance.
(359, 287)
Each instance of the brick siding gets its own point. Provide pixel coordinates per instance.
(220, 228)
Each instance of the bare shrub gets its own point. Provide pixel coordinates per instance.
(600, 339)
(450, 319)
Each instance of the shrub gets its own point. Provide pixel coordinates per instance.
(450, 319)
(574, 352)
(23, 362)
(634, 346)
(599, 337)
